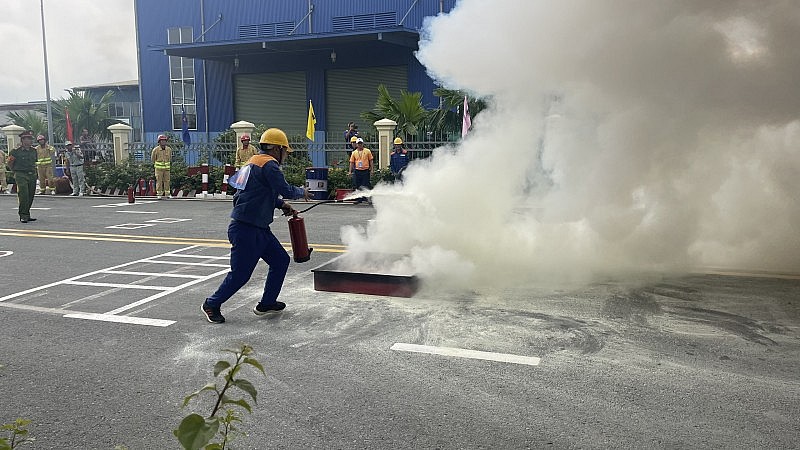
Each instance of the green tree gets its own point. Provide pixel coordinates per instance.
(407, 111)
(84, 112)
(30, 120)
(448, 118)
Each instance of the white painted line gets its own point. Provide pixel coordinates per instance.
(186, 263)
(199, 256)
(121, 319)
(138, 212)
(35, 308)
(77, 277)
(165, 293)
(153, 274)
(6, 253)
(41, 209)
(131, 226)
(119, 286)
(112, 315)
(168, 220)
(116, 205)
(464, 353)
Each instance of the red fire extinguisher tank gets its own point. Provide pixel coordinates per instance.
(297, 234)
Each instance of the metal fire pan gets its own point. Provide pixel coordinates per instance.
(368, 276)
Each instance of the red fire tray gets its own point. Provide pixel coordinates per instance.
(366, 276)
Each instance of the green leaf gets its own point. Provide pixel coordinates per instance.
(194, 431)
(220, 366)
(253, 362)
(207, 387)
(214, 447)
(247, 387)
(241, 402)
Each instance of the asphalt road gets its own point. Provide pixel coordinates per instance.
(694, 361)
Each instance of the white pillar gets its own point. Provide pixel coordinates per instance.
(12, 133)
(385, 137)
(122, 136)
(241, 128)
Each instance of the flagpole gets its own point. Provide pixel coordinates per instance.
(46, 80)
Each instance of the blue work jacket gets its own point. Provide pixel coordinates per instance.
(256, 203)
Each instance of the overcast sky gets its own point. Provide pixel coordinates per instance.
(88, 42)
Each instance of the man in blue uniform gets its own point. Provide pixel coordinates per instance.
(398, 159)
(249, 233)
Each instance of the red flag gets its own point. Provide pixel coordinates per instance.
(69, 125)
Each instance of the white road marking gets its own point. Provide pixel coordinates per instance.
(154, 274)
(6, 253)
(187, 263)
(117, 285)
(132, 226)
(199, 256)
(167, 220)
(465, 353)
(112, 316)
(121, 319)
(117, 205)
(138, 212)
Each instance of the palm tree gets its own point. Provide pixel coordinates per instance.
(408, 111)
(448, 118)
(30, 120)
(84, 112)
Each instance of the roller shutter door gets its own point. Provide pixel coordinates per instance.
(352, 91)
(273, 99)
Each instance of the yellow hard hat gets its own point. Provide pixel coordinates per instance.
(398, 141)
(353, 139)
(275, 136)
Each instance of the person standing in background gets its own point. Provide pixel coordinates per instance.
(161, 156)
(74, 157)
(3, 184)
(22, 161)
(350, 132)
(45, 158)
(398, 159)
(244, 152)
(361, 168)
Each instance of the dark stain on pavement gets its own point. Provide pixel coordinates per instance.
(741, 326)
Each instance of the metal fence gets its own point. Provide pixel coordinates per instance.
(334, 154)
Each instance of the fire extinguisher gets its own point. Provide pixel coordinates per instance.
(131, 197)
(297, 234)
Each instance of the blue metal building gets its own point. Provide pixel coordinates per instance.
(222, 61)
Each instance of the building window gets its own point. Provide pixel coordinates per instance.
(181, 77)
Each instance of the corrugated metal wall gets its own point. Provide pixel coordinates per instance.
(351, 91)
(273, 99)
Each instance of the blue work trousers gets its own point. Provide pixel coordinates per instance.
(249, 244)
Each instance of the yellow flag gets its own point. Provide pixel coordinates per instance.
(312, 122)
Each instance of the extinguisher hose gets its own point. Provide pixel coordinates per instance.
(315, 205)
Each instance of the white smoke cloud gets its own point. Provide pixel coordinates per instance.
(622, 137)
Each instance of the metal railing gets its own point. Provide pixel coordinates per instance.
(336, 154)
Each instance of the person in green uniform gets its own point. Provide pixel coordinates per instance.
(22, 161)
